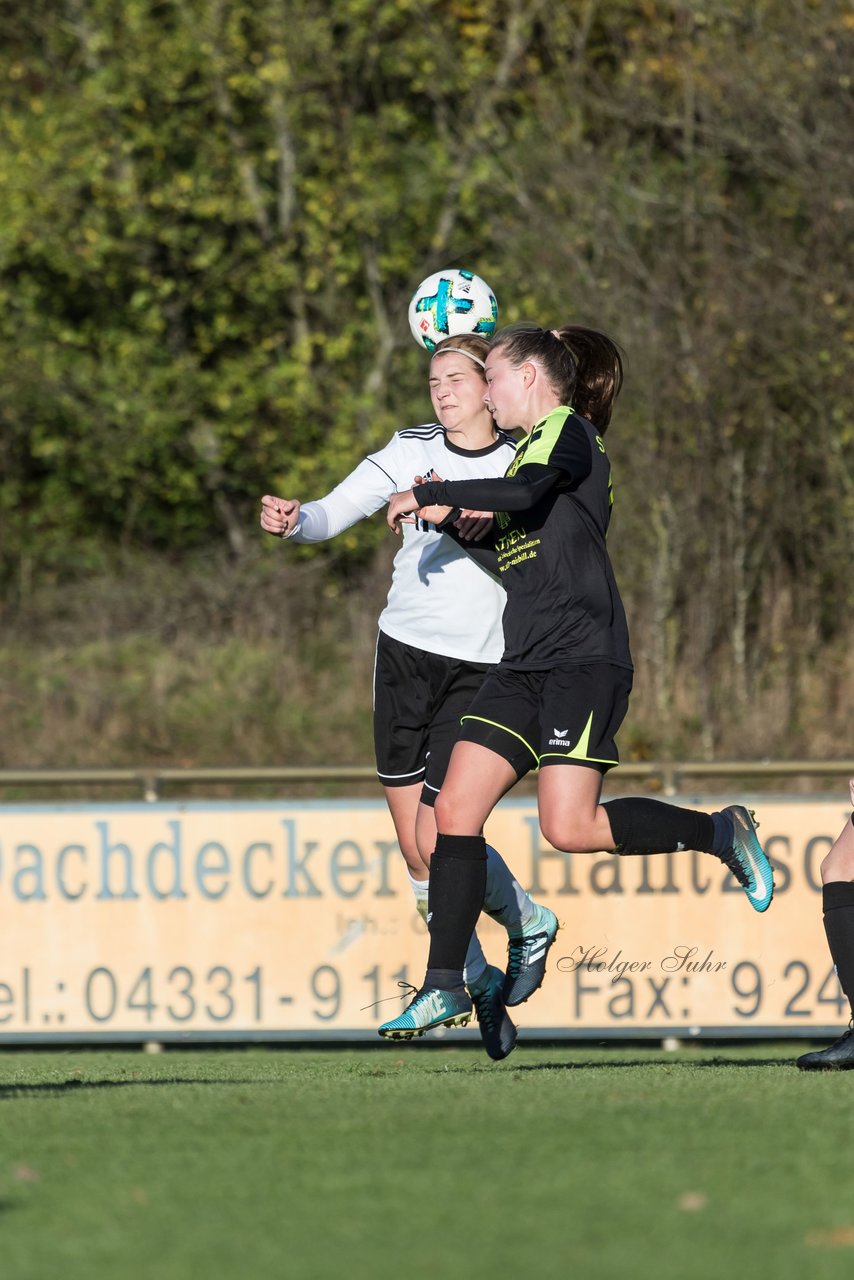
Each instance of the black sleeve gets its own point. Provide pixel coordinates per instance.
(505, 493)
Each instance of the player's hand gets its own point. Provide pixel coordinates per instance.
(401, 509)
(434, 514)
(473, 526)
(279, 516)
(429, 515)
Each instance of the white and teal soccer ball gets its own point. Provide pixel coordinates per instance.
(450, 303)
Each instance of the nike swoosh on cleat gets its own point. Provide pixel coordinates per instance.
(759, 890)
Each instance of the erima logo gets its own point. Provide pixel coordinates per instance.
(561, 733)
(560, 738)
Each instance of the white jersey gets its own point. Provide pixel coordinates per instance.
(440, 600)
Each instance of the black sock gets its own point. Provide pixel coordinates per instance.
(724, 832)
(838, 903)
(640, 825)
(457, 887)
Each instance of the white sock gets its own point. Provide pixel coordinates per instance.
(505, 900)
(475, 964)
(421, 889)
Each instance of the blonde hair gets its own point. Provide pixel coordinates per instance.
(472, 345)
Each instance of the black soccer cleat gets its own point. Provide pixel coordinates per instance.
(497, 1030)
(838, 1056)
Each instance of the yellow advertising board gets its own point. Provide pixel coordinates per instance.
(295, 920)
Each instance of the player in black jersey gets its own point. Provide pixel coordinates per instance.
(561, 690)
(837, 887)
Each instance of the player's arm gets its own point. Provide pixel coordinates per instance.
(549, 463)
(509, 493)
(360, 494)
(519, 492)
(472, 525)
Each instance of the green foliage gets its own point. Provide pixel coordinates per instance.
(211, 221)
(212, 215)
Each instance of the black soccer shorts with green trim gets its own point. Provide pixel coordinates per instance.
(566, 715)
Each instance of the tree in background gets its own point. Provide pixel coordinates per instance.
(212, 215)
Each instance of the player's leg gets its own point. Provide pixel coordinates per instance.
(837, 874)
(418, 699)
(475, 782)
(489, 758)
(401, 716)
(454, 685)
(589, 704)
(415, 827)
(504, 719)
(425, 828)
(505, 900)
(403, 805)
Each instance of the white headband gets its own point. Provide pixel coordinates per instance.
(459, 351)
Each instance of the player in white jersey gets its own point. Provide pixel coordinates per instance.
(438, 634)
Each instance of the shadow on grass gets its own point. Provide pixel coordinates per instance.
(611, 1064)
(58, 1088)
(668, 1062)
(9, 1092)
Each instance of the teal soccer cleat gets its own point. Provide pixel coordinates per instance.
(429, 1008)
(497, 1030)
(526, 957)
(747, 860)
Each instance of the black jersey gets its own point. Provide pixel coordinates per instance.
(563, 606)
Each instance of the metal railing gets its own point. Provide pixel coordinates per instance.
(668, 777)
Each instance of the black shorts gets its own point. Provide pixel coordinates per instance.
(419, 699)
(567, 715)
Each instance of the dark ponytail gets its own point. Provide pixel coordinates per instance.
(599, 373)
(584, 367)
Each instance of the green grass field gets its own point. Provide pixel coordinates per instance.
(424, 1161)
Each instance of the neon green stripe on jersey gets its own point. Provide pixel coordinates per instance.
(538, 446)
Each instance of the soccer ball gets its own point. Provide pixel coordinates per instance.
(450, 303)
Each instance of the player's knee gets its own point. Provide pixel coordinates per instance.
(447, 810)
(456, 813)
(838, 865)
(569, 834)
